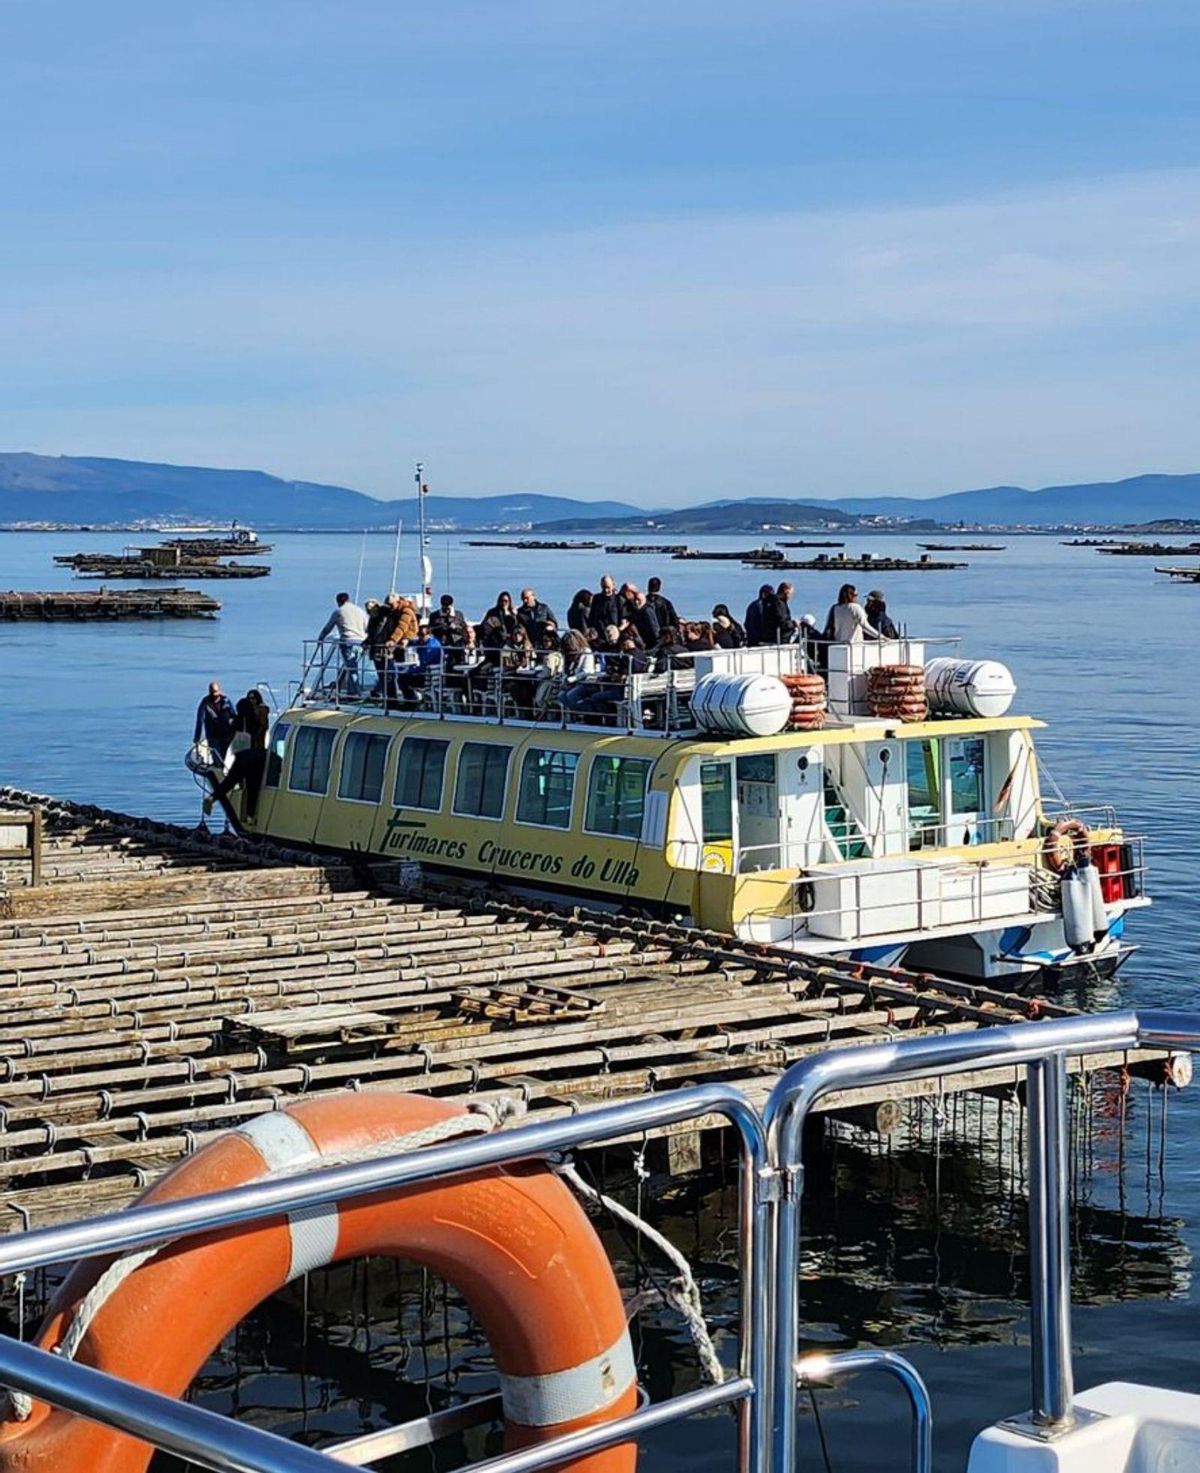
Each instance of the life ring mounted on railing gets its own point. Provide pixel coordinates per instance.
(513, 1240)
(1065, 842)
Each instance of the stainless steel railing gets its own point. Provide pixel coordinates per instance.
(1044, 1048)
(770, 1220)
(218, 1443)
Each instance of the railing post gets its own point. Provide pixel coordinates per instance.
(1049, 1246)
(35, 845)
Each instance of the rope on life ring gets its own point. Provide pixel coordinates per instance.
(512, 1239)
(1063, 844)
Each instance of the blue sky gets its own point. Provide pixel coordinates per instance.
(665, 251)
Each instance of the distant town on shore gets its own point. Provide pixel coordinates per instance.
(49, 493)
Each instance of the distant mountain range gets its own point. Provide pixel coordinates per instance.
(1108, 503)
(83, 490)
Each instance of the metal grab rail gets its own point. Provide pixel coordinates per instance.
(1044, 1047)
(221, 1444)
(814, 1370)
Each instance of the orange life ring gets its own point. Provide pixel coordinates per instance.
(513, 1240)
(1063, 842)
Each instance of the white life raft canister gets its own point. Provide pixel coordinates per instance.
(742, 705)
(969, 687)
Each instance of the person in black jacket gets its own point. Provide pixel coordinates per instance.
(756, 615)
(664, 609)
(778, 625)
(579, 614)
(248, 766)
(643, 618)
(534, 616)
(215, 718)
(727, 632)
(606, 608)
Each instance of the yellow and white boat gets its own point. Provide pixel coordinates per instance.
(926, 842)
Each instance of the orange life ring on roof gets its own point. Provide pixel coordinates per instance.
(1063, 844)
(513, 1240)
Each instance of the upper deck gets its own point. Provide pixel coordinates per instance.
(490, 687)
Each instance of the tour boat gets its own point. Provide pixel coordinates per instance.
(889, 810)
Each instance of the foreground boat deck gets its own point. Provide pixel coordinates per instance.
(157, 984)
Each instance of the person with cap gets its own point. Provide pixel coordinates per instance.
(450, 629)
(878, 617)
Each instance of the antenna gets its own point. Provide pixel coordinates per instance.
(425, 598)
(396, 556)
(361, 558)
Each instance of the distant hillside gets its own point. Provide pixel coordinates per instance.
(1138, 499)
(724, 516)
(85, 490)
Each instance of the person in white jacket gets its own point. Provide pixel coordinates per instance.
(847, 622)
(351, 624)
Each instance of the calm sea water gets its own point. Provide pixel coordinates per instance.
(917, 1244)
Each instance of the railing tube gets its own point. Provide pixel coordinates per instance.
(1049, 1248)
(815, 1368)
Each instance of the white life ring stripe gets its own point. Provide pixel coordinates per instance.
(283, 1143)
(565, 1396)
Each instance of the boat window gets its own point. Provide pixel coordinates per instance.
(275, 755)
(923, 771)
(617, 796)
(547, 787)
(758, 767)
(479, 787)
(716, 801)
(312, 751)
(420, 773)
(965, 757)
(363, 758)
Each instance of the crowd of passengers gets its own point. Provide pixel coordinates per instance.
(583, 664)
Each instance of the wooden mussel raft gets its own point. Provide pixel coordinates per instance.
(1152, 549)
(158, 984)
(244, 544)
(156, 562)
(822, 563)
(108, 604)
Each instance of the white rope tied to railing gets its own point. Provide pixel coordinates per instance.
(682, 1293)
(481, 1119)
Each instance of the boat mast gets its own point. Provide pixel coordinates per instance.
(425, 599)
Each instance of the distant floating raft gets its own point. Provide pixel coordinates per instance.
(843, 564)
(107, 604)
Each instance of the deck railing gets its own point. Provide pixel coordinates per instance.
(771, 1179)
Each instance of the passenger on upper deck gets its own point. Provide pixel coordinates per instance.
(664, 609)
(215, 718)
(847, 621)
(727, 632)
(503, 613)
(579, 615)
(409, 682)
(451, 629)
(642, 618)
(351, 624)
(877, 616)
(534, 615)
(756, 615)
(606, 607)
(778, 625)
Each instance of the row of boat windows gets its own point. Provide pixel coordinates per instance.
(616, 788)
